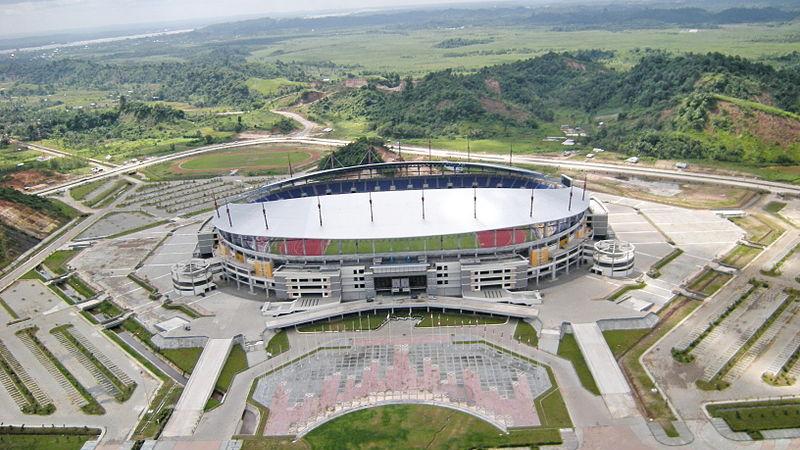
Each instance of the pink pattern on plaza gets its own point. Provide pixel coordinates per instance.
(402, 383)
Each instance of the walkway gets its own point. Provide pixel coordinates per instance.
(199, 388)
(607, 374)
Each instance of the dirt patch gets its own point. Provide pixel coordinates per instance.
(492, 85)
(311, 96)
(782, 131)
(500, 108)
(572, 64)
(27, 219)
(31, 177)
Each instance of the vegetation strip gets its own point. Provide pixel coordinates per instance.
(754, 417)
(568, 349)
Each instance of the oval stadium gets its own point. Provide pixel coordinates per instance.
(404, 229)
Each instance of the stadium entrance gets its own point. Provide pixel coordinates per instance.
(402, 285)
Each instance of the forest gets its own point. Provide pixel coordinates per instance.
(663, 103)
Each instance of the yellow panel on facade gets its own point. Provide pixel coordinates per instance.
(239, 257)
(263, 268)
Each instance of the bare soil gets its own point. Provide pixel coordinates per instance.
(31, 177)
(27, 219)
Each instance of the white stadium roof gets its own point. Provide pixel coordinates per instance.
(398, 214)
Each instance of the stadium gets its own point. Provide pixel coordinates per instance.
(405, 229)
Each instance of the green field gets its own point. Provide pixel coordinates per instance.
(740, 256)
(407, 427)
(42, 442)
(568, 349)
(278, 343)
(414, 51)
(620, 341)
(253, 160)
(760, 229)
(236, 362)
(525, 333)
(270, 87)
(57, 261)
(709, 282)
(184, 358)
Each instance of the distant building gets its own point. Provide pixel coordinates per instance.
(681, 165)
(355, 83)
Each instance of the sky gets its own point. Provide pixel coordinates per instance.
(42, 17)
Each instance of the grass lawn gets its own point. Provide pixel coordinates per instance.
(616, 295)
(709, 282)
(774, 207)
(752, 417)
(271, 86)
(419, 426)
(740, 256)
(760, 229)
(107, 196)
(184, 358)
(524, 332)
(278, 344)
(42, 442)
(263, 159)
(80, 286)
(568, 349)
(236, 362)
(621, 341)
(348, 323)
(57, 261)
(453, 319)
(80, 192)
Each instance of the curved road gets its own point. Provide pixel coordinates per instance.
(302, 138)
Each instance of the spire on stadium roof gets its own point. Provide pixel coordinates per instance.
(264, 212)
(569, 207)
(228, 209)
(531, 213)
(583, 194)
(319, 209)
(371, 216)
(474, 203)
(468, 157)
(423, 204)
(510, 153)
(289, 159)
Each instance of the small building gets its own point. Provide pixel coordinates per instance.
(632, 160)
(681, 165)
(568, 142)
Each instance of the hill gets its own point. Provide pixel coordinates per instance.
(692, 106)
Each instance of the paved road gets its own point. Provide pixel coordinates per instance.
(300, 138)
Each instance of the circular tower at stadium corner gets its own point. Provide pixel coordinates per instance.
(613, 258)
(403, 228)
(193, 277)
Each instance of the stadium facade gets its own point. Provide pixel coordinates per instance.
(404, 228)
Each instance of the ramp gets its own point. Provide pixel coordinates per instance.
(607, 374)
(199, 388)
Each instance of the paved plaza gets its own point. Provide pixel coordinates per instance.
(454, 371)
